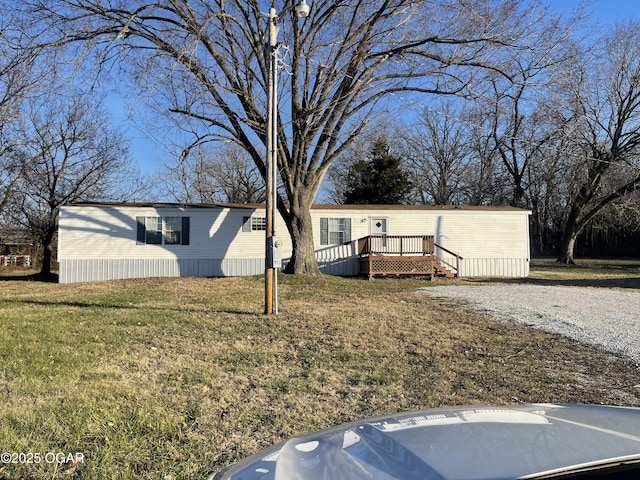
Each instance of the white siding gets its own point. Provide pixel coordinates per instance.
(492, 242)
(99, 242)
(110, 233)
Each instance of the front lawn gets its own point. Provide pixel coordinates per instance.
(175, 378)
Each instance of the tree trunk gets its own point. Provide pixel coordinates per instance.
(568, 240)
(47, 254)
(303, 259)
(566, 248)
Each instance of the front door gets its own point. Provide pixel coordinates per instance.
(377, 226)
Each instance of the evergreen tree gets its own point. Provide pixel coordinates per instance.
(379, 180)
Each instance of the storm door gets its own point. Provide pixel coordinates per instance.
(377, 227)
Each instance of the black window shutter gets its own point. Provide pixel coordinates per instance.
(185, 230)
(347, 230)
(141, 238)
(324, 231)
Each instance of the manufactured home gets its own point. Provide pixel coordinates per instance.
(109, 241)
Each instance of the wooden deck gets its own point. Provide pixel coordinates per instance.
(404, 255)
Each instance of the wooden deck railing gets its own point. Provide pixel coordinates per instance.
(396, 245)
(417, 255)
(442, 261)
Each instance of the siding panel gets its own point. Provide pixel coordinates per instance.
(494, 267)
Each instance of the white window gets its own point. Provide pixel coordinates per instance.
(258, 223)
(254, 224)
(150, 231)
(173, 230)
(153, 227)
(335, 231)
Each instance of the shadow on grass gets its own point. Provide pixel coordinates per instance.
(116, 306)
(32, 277)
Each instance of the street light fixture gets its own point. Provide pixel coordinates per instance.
(272, 257)
(302, 9)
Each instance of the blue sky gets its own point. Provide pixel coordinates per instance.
(604, 11)
(150, 157)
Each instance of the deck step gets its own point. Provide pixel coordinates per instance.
(440, 271)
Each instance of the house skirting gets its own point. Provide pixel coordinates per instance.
(91, 270)
(493, 267)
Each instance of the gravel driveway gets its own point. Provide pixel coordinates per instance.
(597, 316)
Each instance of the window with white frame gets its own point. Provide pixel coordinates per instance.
(167, 231)
(254, 224)
(173, 230)
(335, 231)
(153, 230)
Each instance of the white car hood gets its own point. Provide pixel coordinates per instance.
(529, 441)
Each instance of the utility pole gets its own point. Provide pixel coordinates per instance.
(271, 243)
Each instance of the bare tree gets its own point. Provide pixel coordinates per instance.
(518, 127)
(604, 163)
(209, 63)
(237, 177)
(545, 197)
(614, 230)
(78, 158)
(481, 182)
(208, 174)
(437, 153)
(18, 77)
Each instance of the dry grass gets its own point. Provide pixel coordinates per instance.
(603, 273)
(175, 378)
